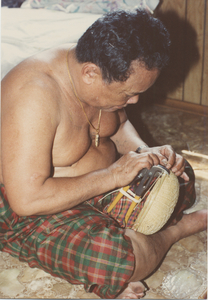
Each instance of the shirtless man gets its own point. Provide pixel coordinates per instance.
(53, 106)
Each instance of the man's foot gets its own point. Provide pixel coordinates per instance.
(134, 290)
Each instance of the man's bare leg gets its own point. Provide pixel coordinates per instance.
(150, 250)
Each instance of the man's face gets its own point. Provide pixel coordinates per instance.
(117, 95)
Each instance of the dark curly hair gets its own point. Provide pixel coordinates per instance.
(115, 40)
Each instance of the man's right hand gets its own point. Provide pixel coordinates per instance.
(125, 169)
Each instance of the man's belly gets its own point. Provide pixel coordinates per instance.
(94, 159)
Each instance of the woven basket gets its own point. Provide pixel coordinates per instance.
(152, 211)
(159, 205)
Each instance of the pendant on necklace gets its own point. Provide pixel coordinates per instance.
(97, 137)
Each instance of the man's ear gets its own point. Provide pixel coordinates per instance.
(90, 72)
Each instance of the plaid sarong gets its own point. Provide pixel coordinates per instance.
(81, 245)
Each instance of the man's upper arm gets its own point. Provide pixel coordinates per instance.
(29, 122)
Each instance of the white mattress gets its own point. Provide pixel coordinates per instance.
(25, 32)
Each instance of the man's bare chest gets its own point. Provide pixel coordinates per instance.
(73, 139)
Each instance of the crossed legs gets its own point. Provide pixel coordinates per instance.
(150, 250)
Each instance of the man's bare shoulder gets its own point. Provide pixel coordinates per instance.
(31, 83)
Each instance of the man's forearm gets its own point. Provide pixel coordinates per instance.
(127, 138)
(59, 194)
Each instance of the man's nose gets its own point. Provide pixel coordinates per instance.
(133, 100)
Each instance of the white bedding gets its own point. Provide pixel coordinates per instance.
(25, 32)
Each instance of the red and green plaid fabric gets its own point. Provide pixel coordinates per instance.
(187, 195)
(82, 245)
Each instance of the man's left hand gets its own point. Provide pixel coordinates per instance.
(169, 159)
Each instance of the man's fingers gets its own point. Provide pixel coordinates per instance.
(183, 175)
(151, 157)
(166, 156)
